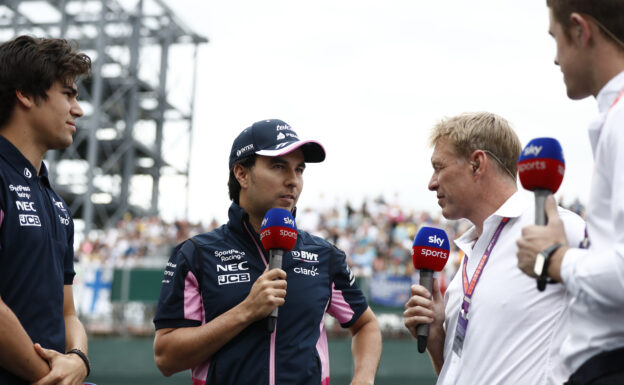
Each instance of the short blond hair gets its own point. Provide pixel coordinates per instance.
(484, 131)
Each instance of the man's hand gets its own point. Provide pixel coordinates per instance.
(537, 238)
(419, 309)
(267, 293)
(66, 369)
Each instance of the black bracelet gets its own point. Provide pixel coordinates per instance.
(83, 357)
(542, 279)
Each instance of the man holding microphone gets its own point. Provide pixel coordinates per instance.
(589, 35)
(491, 326)
(217, 290)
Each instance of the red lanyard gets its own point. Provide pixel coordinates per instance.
(469, 287)
(617, 99)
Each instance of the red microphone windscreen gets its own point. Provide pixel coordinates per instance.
(278, 230)
(431, 249)
(541, 165)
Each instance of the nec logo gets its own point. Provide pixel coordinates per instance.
(29, 220)
(436, 240)
(226, 279)
(289, 221)
(233, 267)
(532, 150)
(26, 206)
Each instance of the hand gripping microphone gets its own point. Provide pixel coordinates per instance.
(278, 233)
(541, 167)
(429, 253)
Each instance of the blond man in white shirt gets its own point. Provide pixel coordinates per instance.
(491, 326)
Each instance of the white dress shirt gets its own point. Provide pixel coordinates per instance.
(515, 331)
(595, 276)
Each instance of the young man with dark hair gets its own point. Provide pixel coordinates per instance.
(217, 327)
(590, 52)
(41, 339)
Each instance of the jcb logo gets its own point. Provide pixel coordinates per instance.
(29, 220)
(226, 279)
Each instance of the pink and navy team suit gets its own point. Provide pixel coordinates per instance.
(36, 251)
(199, 285)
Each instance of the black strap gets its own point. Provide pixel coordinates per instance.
(198, 265)
(331, 275)
(600, 365)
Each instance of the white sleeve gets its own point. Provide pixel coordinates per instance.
(596, 275)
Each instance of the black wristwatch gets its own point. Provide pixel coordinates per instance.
(83, 357)
(541, 265)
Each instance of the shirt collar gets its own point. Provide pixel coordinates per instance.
(17, 160)
(609, 92)
(513, 207)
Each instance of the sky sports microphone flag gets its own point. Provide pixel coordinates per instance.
(429, 253)
(278, 233)
(541, 168)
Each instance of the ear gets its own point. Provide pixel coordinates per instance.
(477, 161)
(582, 30)
(241, 173)
(27, 101)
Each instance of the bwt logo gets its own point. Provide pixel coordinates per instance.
(29, 220)
(289, 221)
(226, 279)
(532, 150)
(305, 256)
(434, 253)
(436, 240)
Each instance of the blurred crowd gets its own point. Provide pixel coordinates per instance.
(377, 236)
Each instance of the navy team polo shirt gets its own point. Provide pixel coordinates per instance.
(36, 250)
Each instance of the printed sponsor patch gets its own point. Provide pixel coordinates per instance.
(29, 220)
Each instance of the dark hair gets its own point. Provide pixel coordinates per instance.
(608, 13)
(31, 65)
(234, 187)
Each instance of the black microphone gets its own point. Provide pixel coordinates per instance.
(430, 253)
(278, 233)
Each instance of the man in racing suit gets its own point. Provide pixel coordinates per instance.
(217, 290)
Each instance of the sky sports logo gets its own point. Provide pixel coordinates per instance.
(432, 252)
(436, 240)
(532, 150)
